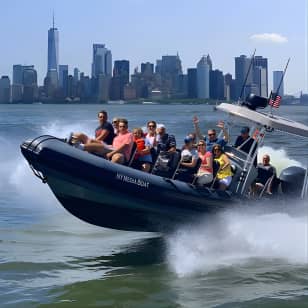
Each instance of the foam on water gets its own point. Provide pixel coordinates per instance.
(235, 237)
(17, 177)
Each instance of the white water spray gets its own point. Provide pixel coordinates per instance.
(235, 237)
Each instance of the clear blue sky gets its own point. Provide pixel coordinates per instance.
(144, 30)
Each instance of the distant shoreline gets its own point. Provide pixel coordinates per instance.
(172, 101)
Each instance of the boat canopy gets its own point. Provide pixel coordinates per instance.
(267, 120)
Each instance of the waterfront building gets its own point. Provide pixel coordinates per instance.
(101, 61)
(63, 78)
(260, 68)
(17, 92)
(277, 78)
(30, 88)
(260, 79)
(147, 69)
(103, 87)
(182, 86)
(53, 55)
(76, 75)
(129, 92)
(217, 84)
(121, 72)
(17, 73)
(242, 64)
(192, 91)
(203, 78)
(230, 88)
(5, 90)
(169, 68)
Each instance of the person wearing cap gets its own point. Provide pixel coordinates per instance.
(244, 142)
(115, 124)
(165, 142)
(212, 134)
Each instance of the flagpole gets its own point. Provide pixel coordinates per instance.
(281, 80)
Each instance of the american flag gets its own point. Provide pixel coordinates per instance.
(275, 102)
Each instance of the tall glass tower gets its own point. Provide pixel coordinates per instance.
(53, 47)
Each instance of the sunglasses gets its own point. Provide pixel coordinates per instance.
(151, 126)
(213, 134)
(115, 122)
(201, 145)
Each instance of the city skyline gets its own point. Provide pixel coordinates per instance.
(140, 32)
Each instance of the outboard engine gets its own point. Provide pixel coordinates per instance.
(254, 101)
(292, 180)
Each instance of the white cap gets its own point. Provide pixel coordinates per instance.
(161, 126)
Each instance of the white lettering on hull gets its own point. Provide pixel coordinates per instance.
(128, 179)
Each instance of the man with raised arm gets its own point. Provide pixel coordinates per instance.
(212, 134)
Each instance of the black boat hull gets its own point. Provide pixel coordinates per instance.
(115, 196)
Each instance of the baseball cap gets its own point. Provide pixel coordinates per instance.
(245, 130)
(188, 139)
(161, 126)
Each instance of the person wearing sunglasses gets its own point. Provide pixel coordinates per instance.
(103, 133)
(224, 173)
(212, 134)
(205, 172)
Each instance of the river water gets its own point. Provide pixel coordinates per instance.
(50, 258)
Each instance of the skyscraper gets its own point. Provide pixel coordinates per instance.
(192, 83)
(260, 72)
(5, 89)
(277, 77)
(53, 47)
(102, 61)
(203, 78)
(242, 64)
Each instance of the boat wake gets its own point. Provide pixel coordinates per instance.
(237, 237)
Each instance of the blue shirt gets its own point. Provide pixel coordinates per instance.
(220, 141)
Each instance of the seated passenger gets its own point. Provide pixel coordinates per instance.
(265, 171)
(165, 142)
(142, 157)
(189, 159)
(151, 133)
(115, 124)
(205, 172)
(104, 132)
(121, 147)
(224, 173)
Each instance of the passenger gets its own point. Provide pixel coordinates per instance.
(265, 172)
(151, 133)
(104, 132)
(142, 157)
(193, 137)
(165, 142)
(115, 124)
(121, 147)
(212, 135)
(189, 159)
(244, 142)
(205, 172)
(224, 173)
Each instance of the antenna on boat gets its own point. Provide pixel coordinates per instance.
(273, 97)
(247, 74)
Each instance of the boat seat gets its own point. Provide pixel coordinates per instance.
(166, 164)
(187, 174)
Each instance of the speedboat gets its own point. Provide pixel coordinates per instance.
(120, 197)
